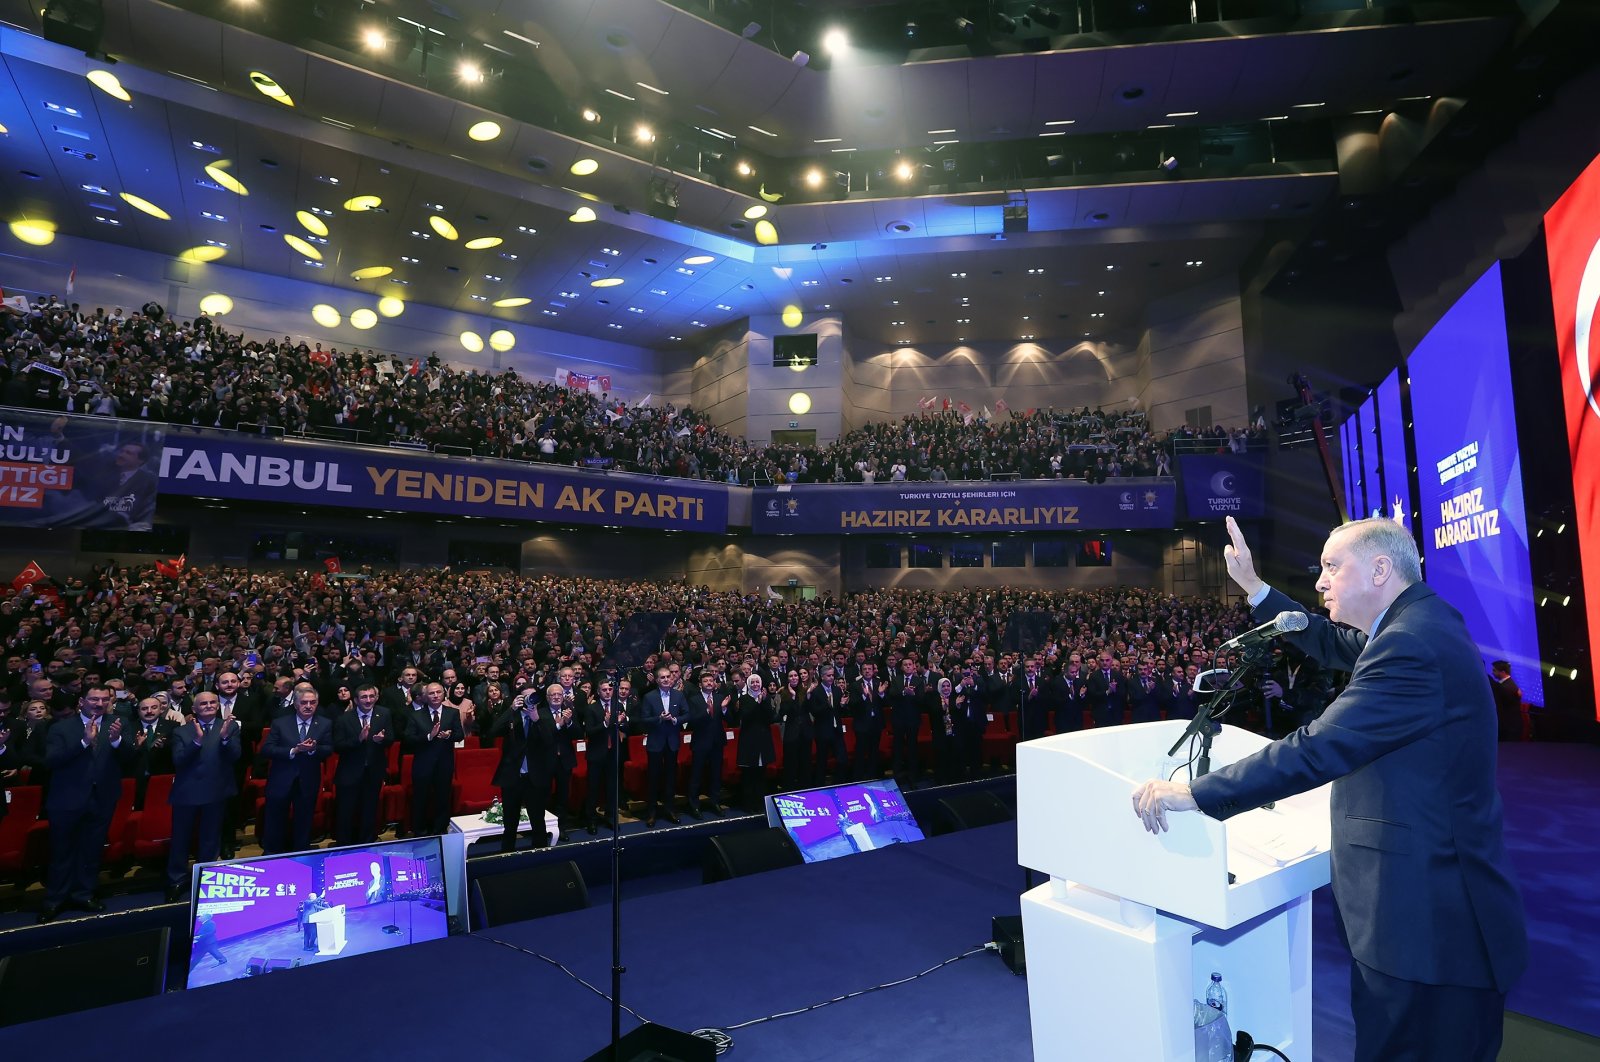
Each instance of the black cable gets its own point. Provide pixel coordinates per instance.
(864, 991)
(526, 951)
(1269, 1048)
(1194, 751)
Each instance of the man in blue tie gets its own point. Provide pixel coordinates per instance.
(203, 754)
(295, 747)
(361, 738)
(1425, 893)
(663, 713)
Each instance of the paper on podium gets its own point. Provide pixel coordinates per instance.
(1075, 822)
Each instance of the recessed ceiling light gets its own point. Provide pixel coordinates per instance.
(442, 227)
(581, 215)
(371, 272)
(606, 282)
(622, 95)
(762, 131)
(1063, 121)
(512, 303)
(652, 88)
(1182, 114)
(584, 167)
(484, 131)
(483, 243)
(699, 259)
(527, 231)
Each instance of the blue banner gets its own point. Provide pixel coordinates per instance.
(209, 464)
(59, 471)
(1017, 505)
(1218, 485)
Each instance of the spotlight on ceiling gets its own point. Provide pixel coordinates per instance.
(744, 169)
(643, 134)
(904, 170)
(1044, 16)
(591, 115)
(469, 72)
(835, 41)
(373, 39)
(911, 29)
(813, 178)
(1169, 164)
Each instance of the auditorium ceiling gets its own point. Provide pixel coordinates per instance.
(1043, 186)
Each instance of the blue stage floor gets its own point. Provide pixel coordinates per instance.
(719, 955)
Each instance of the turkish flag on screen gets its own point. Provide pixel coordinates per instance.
(1572, 233)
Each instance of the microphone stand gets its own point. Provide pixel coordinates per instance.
(1220, 703)
(617, 969)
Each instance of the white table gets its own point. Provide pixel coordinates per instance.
(474, 827)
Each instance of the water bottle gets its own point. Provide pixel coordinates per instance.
(1216, 995)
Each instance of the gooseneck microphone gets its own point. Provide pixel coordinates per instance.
(1282, 623)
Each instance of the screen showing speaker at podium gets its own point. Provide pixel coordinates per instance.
(842, 820)
(255, 916)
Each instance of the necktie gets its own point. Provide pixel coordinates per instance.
(435, 714)
(366, 720)
(302, 730)
(94, 730)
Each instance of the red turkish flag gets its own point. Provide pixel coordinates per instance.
(28, 575)
(1572, 235)
(332, 565)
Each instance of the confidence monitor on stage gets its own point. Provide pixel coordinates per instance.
(272, 913)
(839, 820)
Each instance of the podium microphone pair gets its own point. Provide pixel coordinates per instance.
(1282, 623)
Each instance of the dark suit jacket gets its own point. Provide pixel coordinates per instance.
(1424, 888)
(826, 711)
(659, 734)
(439, 754)
(287, 771)
(539, 747)
(594, 730)
(906, 697)
(362, 759)
(868, 708)
(76, 773)
(707, 724)
(148, 759)
(204, 774)
(755, 732)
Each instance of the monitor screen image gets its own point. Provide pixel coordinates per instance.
(841, 820)
(255, 916)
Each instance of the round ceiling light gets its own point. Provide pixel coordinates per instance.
(581, 215)
(363, 318)
(506, 304)
(605, 282)
(755, 210)
(584, 167)
(107, 82)
(484, 131)
(325, 315)
(358, 203)
(472, 341)
(312, 224)
(390, 306)
(502, 340)
(442, 227)
(699, 259)
(372, 272)
(483, 243)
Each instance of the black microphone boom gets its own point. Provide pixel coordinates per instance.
(1282, 623)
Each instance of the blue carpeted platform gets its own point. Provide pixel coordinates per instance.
(719, 955)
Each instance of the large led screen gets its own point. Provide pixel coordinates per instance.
(1392, 438)
(1474, 527)
(1350, 461)
(1572, 234)
(1371, 472)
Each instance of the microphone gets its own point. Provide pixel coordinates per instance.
(1282, 623)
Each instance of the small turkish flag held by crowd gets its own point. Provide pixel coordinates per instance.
(28, 576)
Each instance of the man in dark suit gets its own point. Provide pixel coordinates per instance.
(826, 706)
(603, 743)
(432, 733)
(527, 736)
(569, 728)
(906, 716)
(1074, 698)
(1035, 706)
(86, 751)
(362, 738)
(663, 712)
(1426, 897)
(708, 721)
(1107, 692)
(869, 711)
(236, 703)
(152, 749)
(10, 760)
(1145, 695)
(295, 747)
(204, 751)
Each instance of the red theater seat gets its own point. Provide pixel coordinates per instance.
(150, 830)
(23, 815)
(117, 838)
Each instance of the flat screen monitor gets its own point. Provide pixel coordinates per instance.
(795, 351)
(841, 820)
(250, 917)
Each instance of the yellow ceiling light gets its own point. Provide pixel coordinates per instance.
(107, 82)
(390, 306)
(605, 282)
(363, 318)
(472, 341)
(358, 203)
(443, 227)
(325, 315)
(269, 88)
(584, 167)
(302, 246)
(581, 215)
(202, 254)
(311, 222)
(484, 131)
(502, 340)
(218, 171)
(766, 233)
(699, 259)
(216, 304)
(755, 210)
(792, 316)
(34, 233)
(145, 206)
(483, 243)
(371, 272)
(799, 403)
(506, 304)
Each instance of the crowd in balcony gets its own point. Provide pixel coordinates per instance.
(146, 365)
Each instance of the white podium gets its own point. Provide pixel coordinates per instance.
(330, 930)
(1131, 925)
